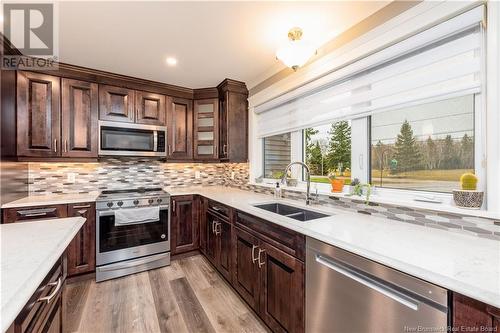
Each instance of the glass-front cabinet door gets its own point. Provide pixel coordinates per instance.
(206, 129)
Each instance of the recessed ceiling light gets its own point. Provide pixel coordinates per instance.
(171, 61)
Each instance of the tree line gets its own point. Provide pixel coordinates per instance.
(410, 154)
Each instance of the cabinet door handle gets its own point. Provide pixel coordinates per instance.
(254, 258)
(65, 146)
(168, 149)
(49, 298)
(263, 262)
(224, 150)
(173, 206)
(55, 145)
(213, 226)
(218, 228)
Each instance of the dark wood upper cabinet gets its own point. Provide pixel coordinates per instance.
(246, 273)
(206, 129)
(81, 250)
(282, 290)
(184, 224)
(38, 115)
(233, 121)
(180, 129)
(79, 119)
(116, 104)
(150, 108)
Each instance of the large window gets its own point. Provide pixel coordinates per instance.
(277, 155)
(327, 150)
(424, 147)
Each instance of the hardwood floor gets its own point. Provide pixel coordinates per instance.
(188, 296)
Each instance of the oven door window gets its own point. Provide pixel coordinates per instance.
(127, 139)
(113, 237)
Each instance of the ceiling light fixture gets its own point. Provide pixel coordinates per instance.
(171, 61)
(297, 52)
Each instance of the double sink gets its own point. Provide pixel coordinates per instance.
(296, 213)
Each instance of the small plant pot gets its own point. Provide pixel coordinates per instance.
(291, 182)
(468, 199)
(337, 185)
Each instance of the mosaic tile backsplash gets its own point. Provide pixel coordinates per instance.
(111, 174)
(52, 178)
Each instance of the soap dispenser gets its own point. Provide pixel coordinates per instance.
(277, 191)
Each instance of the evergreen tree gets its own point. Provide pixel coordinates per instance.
(431, 154)
(407, 154)
(315, 159)
(339, 148)
(308, 133)
(467, 152)
(450, 159)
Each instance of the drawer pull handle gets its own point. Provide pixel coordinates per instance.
(254, 258)
(36, 212)
(82, 206)
(49, 298)
(263, 262)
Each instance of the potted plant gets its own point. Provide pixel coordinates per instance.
(337, 184)
(468, 196)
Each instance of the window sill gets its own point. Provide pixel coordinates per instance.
(445, 207)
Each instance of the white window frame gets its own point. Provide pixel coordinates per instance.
(487, 118)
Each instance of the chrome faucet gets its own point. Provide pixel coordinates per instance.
(308, 192)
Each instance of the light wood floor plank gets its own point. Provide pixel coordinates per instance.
(167, 309)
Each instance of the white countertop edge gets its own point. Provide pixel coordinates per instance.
(52, 199)
(13, 307)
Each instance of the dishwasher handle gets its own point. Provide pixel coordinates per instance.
(368, 282)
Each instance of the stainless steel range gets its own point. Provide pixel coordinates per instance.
(132, 232)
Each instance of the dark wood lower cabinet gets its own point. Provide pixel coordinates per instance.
(470, 315)
(43, 312)
(81, 250)
(246, 273)
(281, 289)
(184, 224)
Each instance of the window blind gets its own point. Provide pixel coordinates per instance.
(442, 68)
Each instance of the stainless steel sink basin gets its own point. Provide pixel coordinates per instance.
(291, 211)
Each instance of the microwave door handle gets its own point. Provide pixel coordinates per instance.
(155, 140)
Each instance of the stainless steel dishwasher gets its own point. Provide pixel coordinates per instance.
(348, 293)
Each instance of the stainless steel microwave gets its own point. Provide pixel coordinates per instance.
(123, 139)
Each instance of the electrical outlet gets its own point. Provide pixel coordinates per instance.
(233, 174)
(71, 178)
(197, 175)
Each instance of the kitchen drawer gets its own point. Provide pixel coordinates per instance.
(282, 238)
(43, 309)
(219, 209)
(11, 215)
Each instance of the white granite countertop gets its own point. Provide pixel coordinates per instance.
(28, 251)
(52, 199)
(463, 263)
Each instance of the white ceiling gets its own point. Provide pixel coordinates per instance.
(211, 40)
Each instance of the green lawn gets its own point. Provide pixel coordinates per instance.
(444, 175)
(325, 180)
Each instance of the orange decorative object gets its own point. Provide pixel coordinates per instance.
(337, 185)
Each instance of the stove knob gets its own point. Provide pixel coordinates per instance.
(136, 202)
(110, 204)
(120, 203)
(150, 201)
(159, 200)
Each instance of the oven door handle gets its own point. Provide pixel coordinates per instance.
(112, 212)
